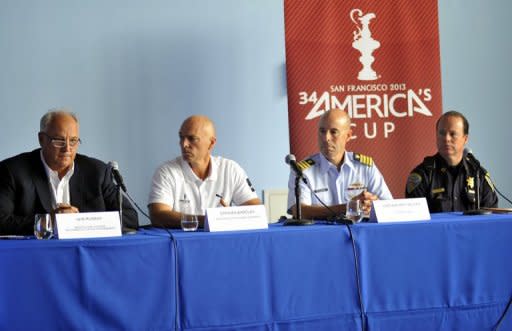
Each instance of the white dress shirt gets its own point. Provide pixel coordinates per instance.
(335, 187)
(59, 188)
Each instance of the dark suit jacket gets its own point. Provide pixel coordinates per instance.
(25, 191)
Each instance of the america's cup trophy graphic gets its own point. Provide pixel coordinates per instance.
(364, 43)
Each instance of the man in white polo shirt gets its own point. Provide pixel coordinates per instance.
(197, 178)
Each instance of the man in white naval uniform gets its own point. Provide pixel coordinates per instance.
(336, 175)
(197, 178)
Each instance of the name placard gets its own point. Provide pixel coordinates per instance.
(400, 210)
(236, 218)
(87, 225)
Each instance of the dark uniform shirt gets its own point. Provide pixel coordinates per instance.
(451, 188)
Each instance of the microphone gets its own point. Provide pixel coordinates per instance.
(117, 175)
(468, 154)
(292, 162)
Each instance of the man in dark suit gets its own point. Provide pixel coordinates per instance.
(55, 179)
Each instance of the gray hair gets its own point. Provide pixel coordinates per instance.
(51, 114)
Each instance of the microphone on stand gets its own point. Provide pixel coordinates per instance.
(473, 160)
(118, 179)
(292, 162)
(117, 175)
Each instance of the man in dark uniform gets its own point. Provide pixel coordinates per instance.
(451, 180)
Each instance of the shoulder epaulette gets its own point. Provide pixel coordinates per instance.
(489, 181)
(366, 160)
(304, 164)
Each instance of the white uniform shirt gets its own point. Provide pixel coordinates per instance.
(337, 187)
(175, 182)
(58, 187)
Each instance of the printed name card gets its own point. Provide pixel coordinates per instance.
(400, 210)
(88, 225)
(236, 218)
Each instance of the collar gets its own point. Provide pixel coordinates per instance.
(191, 176)
(463, 165)
(325, 164)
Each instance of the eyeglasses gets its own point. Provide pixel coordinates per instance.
(61, 142)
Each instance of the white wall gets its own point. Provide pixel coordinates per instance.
(133, 70)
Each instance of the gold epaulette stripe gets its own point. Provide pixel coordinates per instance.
(305, 164)
(489, 181)
(366, 160)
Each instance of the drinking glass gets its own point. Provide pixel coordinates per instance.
(43, 226)
(355, 210)
(189, 222)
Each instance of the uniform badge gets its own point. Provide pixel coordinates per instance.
(356, 186)
(437, 190)
(413, 181)
(470, 182)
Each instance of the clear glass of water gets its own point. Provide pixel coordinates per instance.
(43, 226)
(189, 222)
(355, 210)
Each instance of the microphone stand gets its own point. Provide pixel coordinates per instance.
(477, 211)
(298, 211)
(120, 200)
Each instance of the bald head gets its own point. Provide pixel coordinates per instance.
(197, 138)
(52, 114)
(201, 123)
(337, 116)
(333, 134)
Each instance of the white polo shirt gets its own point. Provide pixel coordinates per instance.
(174, 181)
(335, 187)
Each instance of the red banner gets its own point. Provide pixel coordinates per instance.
(378, 61)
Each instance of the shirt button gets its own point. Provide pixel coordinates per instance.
(454, 198)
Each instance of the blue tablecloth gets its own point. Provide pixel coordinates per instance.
(97, 284)
(450, 273)
(268, 280)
